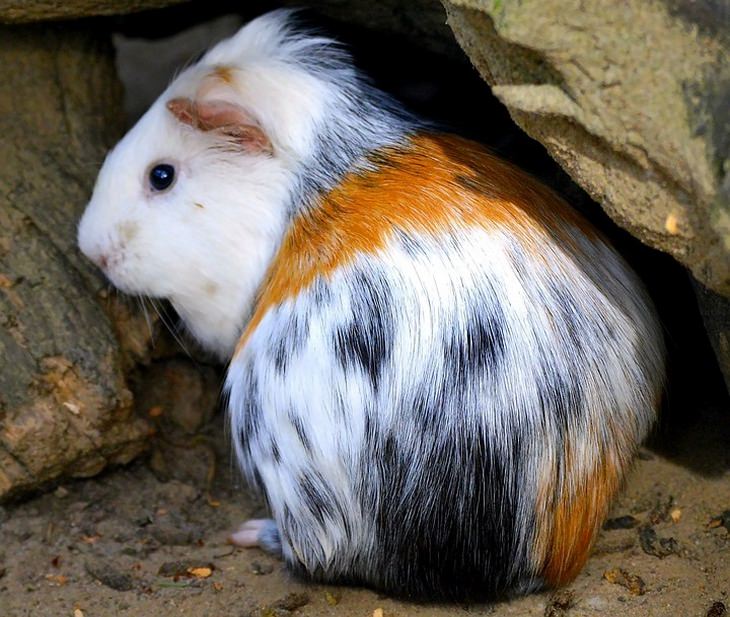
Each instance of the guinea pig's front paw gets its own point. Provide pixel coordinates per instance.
(258, 532)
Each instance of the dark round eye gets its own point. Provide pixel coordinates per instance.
(162, 176)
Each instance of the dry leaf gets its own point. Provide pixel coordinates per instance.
(723, 520)
(200, 572)
(57, 579)
(633, 583)
(331, 598)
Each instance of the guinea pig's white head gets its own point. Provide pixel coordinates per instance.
(192, 203)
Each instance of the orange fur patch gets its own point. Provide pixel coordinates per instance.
(570, 510)
(576, 519)
(432, 184)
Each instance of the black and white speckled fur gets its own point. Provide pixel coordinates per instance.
(399, 435)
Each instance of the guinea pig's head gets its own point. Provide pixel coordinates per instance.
(192, 203)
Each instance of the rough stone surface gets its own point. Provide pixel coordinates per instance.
(422, 22)
(65, 409)
(179, 390)
(715, 310)
(632, 99)
(22, 11)
(145, 66)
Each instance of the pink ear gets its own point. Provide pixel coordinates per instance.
(226, 118)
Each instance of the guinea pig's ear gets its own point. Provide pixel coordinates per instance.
(227, 119)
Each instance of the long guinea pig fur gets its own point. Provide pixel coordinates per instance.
(439, 372)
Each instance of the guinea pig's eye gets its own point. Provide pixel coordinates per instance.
(162, 176)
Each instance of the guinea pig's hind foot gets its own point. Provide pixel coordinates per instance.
(258, 532)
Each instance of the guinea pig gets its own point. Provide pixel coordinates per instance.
(439, 372)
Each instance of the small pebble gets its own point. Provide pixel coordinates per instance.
(671, 224)
(108, 575)
(722, 520)
(171, 535)
(621, 522)
(717, 609)
(260, 569)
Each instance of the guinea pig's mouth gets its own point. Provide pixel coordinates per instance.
(111, 263)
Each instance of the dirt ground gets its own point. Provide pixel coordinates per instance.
(150, 539)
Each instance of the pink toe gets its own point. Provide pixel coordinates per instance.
(245, 537)
(247, 534)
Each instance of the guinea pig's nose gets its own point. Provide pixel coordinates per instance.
(100, 258)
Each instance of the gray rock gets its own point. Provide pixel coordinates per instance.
(109, 575)
(632, 99)
(180, 391)
(715, 311)
(146, 66)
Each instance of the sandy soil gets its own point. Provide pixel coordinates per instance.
(150, 539)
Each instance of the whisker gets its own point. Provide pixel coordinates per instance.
(165, 319)
(143, 306)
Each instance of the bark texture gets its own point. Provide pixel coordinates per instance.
(65, 409)
(23, 11)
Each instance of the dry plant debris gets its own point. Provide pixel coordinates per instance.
(652, 544)
(632, 582)
(560, 603)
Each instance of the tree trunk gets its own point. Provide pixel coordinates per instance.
(65, 408)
